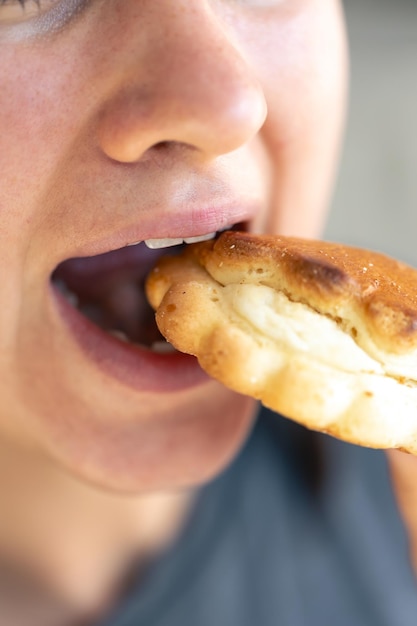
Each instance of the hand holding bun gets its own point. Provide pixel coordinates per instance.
(323, 333)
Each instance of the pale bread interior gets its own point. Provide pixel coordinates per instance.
(305, 364)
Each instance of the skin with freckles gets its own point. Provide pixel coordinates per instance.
(124, 120)
(121, 121)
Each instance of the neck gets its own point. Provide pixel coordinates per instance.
(76, 544)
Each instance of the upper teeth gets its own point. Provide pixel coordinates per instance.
(162, 243)
(166, 243)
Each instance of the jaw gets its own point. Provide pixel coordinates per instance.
(132, 442)
(118, 413)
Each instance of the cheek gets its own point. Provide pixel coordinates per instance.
(32, 140)
(302, 67)
(44, 109)
(29, 108)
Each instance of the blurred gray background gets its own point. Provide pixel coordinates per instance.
(375, 203)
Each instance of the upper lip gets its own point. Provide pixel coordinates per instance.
(168, 225)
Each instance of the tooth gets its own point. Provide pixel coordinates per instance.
(162, 243)
(59, 284)
(119, 334)
(162, 347)
(66, 292)
(72, 298)
(200, 238)
(135, 243)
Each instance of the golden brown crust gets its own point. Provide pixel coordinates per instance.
(328, 276)
(324, 333)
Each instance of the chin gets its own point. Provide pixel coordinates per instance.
(102, 392)
(179, 448)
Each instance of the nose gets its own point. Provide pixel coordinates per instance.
(185, 83)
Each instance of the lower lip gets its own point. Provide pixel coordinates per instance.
(133, 366)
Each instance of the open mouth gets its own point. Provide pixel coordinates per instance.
(108, 289)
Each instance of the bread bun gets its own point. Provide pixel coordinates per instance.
(323, 333)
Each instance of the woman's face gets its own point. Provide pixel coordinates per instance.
(128, 120)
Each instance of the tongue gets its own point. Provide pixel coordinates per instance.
(110, 290)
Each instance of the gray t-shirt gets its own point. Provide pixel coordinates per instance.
(301, 530)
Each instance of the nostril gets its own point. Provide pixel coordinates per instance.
(165, 153)
(170, 146)
(197, 93)
(162, 145)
